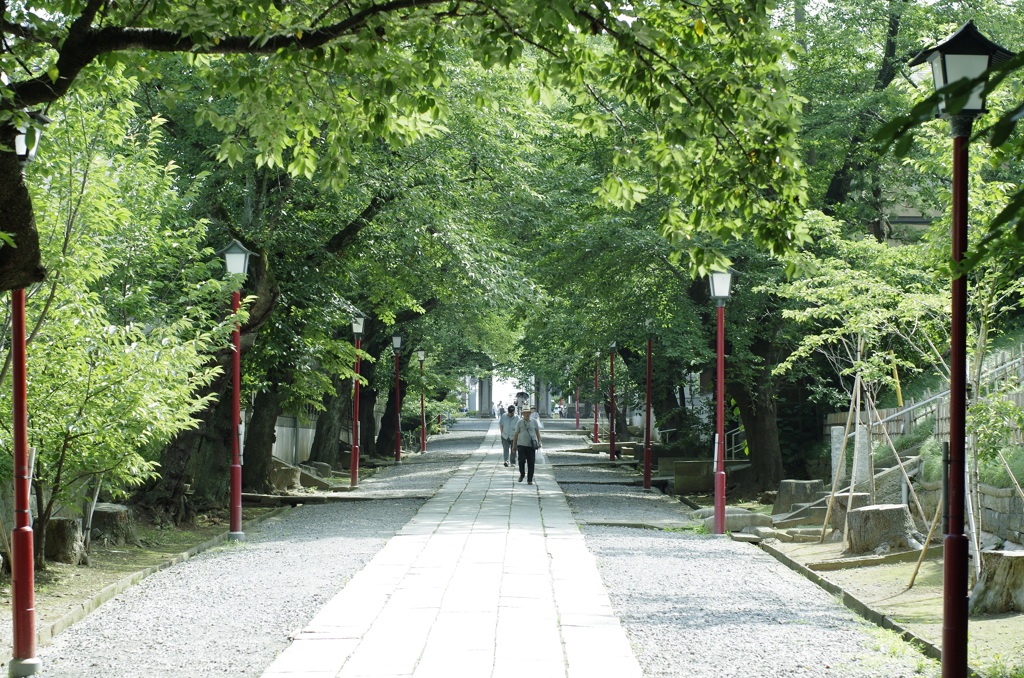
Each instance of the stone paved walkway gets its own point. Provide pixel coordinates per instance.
(491, 578)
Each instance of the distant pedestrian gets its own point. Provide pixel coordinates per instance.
(507, 428)
(526, 441)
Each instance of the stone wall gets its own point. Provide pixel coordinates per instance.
(1002, 511)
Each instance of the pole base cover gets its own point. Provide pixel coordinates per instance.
(236, 536)
(24, 667)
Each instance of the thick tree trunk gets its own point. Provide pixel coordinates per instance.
(759, 414)
(19, 265)
(385, 445)
(260, 435)
(167, 497)
(326, 445)
(212, 459)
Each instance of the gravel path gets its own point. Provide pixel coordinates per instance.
(692, 605)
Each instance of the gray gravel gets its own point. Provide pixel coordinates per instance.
(692, 605)
(698, 605)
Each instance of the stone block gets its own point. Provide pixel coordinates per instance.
(882, 528)
(694, 476)
(796, 492)
(840, 505)
(285, 478)
(735, 522)
(322, 469)
(666, 465)
(64, 540)
(838, 458)
(1001, 587)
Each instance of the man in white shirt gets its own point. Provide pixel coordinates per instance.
(507, 427)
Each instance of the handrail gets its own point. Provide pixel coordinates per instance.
(942, 394)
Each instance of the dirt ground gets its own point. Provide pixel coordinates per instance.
(995, 642)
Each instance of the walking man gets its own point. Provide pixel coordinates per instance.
(526, 441)
(507, 428)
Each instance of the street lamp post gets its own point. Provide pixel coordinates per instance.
(647, 416)
(23, 571)
(423, 412)
(358, 324)
(236, 261)
(597, 388)
(720, 283)
(23, 607)
(396, 342)
(967, 54)
(577, 405)
(611, 396)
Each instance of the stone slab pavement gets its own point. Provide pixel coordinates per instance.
(490, 578)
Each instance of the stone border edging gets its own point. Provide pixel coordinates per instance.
(45, 634)
(863, 609)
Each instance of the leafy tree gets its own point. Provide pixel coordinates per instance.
(709, 73)
(110, 377)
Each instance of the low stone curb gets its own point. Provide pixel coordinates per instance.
(861, 608)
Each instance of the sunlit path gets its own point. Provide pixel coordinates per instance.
(490, 578)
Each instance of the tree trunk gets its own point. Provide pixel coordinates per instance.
(385, 445)
(212, 458)
(326, 445)
(166, 497)
(19, 265)
(759, 414)
(260, 435)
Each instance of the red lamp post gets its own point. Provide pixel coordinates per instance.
(396, 342)
(597, 389)
(967, 54)
(720, 283)
(23, 607)
(423, 412)
(236, 261)
(611, 391)
(577, 406)
(647, 417)
(358, 323)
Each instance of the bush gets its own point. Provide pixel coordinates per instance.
(993, 472)
(931, 458)
(990, 471)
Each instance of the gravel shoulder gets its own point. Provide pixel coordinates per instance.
(699, 605)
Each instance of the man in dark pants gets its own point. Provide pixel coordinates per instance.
(526, 441)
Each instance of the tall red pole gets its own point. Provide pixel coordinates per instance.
(22, 565)
(647, 419)
(611, 391)
(720, 435)
(398, 410)
(597, 391)
(423, 416)
(955, 563)
(354, 465)
(577, 406)
(235, 532)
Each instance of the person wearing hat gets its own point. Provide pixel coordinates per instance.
(507, 428)
(526, 442)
